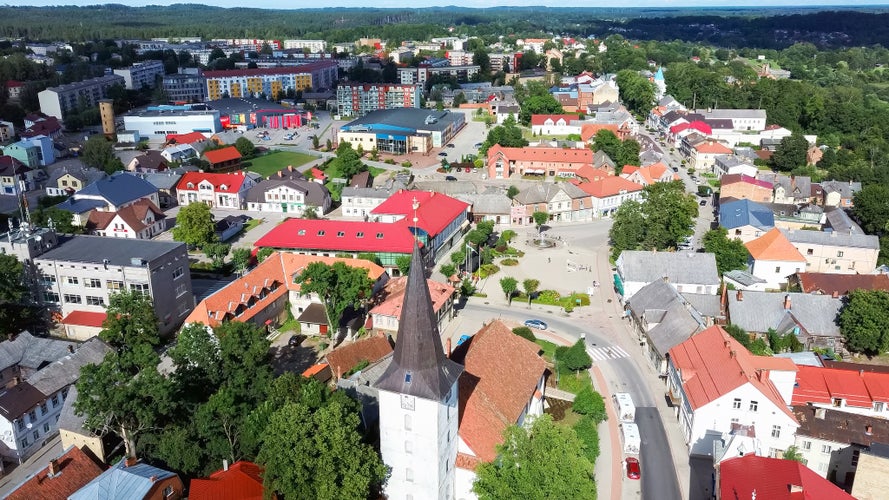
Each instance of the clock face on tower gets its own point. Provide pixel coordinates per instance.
(407, 402)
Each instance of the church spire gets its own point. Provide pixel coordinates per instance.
(419, 366)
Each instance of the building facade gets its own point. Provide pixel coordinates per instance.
(58, 101)
(359, 99)
(273, 82)
(184, 87)
(141, 74)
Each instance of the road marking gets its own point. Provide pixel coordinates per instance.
(606, 353)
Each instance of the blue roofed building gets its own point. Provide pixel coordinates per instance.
(133, 480)
(745, 220)
(109, 194)
(402, 131)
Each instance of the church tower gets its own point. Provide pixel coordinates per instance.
(418, 401)
(660, 85)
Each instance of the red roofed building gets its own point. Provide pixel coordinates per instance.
(554, 124)
(62, 477)
(608, 193)
(440, 218)
(853, 391)
(241, 481)
(703, 155)
(548, 162)
(347, 357)
(141, 220)
(189, 138)
(216, 190)
(649, 174)
(715, 382)
(503, 382)
(743, 187)
(752, 477)
(83, 324)
(223, 159)
(386, 311)
(839, 284)
(680, 130)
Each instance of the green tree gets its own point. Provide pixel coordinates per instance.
(524, 332)
(791, 153)
(628, 229)
(509, 285)
(636, 91)
(589, 402)
(217, 252)
(125, 393)
(871, 207)
(511, 192)
(61, 220)
(530, 285)
(448, 270)
(403, 262)
(98, 152)
(538, 462)
(240, 258)
(793, 453)
(587, 432)
(575, 357)
(507, 135)
(339, 286)
(730, 254)
(863, 321)
(539, 218)
(245, 147)
(16, 312)
(297, 441)
(195, 226)
(544, 104)
(738, 334)
(263, 253)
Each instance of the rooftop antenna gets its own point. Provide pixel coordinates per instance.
(415, 205)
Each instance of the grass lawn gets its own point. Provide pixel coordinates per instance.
(251, 224)
(568, 380)
(376, 171)
(270, 163)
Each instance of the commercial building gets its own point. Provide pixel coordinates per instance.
(157, 122)
(401, 131)
(141, 74)
(359, 99)
(273, 82)
(58, 101)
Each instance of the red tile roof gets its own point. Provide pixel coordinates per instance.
(611, 185)
(695, 125)
(552, 155)
(242, 481)
(435, 211)
(751, 476)
(222, 155)
(841, 284)
(189, 138)
(324, 235)
(713, 364)
(502, 372)
(76, 470)
(541, 119)
(732, 178)
(222, 183)
(371, 349)
(133, 215)
(589, 130)
(823, 385)
(774, 246)
(649, 173)
(713, 148)
(391, 297)
(84, 318)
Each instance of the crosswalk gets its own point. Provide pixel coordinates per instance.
(606, 352)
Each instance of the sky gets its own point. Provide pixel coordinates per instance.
(290, 4)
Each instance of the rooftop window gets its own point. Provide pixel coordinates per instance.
(360, 234)
(379, 236)
(321, 233)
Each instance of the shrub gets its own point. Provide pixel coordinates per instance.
(548, 297)
(508, 235)
(448, 270)
(589, 402)
(501, 247)
(406, 164)
(509, 262)
(588, 434)
(524, 332)
(487, 270)
(390, 161)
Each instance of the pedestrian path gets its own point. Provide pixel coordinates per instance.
(606, 352)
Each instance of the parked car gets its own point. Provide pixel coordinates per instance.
(296, 340)
(443, 153)
(450, 178)
(535, 323)
(633, 470)
(477, 145)
(451, 146)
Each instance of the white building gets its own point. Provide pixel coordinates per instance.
(156, 124)
(360, 202)
(715, 383)
(687, 272)
(292, 195)
(216, 190)
(774, 259)
(58, 101)
(311, 45)
(141, 74)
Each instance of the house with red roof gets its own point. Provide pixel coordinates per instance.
(216, 190)
(196, 139)
(714, 382)
(852, 391)
(607, 193)
(588, 131)
(839, 284)
(240, 481)
(503, 162)
(752, 477)
(385, 311)
(63, 476)
(560, 124)
(649, 174)
(440, 218)
(743, 187)
(703, 155)
(348, 357)
(227, 158)
(142, 220)
(774, 258)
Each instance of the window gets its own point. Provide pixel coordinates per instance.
(21, 424)
(754, 405)
(776, 431)
(379, 236)
(837, 402)
(407, 422)
(408, 447)
(879, 406)
(50, 297)
(139, 287)
(72, 280)
(839, 253)
(321, 233)
(55, 401)
(180, 290)
(115, 285)
(46, 427)
(43, 409)
(36, 434)
(177, 273)
(777, 269)
(94, 301)
(48, 279)
(25, 443)
(825, 448)
(92, 283)
(807, 445)
(360, 234)
(168, 491)
(72, 299)
(736, 404)
(409, 475)
(810, 252)
(340, 234)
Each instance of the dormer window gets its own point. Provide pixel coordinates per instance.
(340, 234)
(379, 236)
(837, 402)
(223, 187)
(190, 185)
(321, 233)
(301, 232)
(359, 235)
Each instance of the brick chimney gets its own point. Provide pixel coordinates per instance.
(835, 294)
(787, 302)
(54, 468)
(131, 461)
(71, 348)
(448, 347)
(740, 296)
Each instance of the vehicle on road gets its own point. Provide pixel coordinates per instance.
(477, 145)
(443, 153)
(451, 146)
(675, 169)
(450, 178)
(632, 439)
(535, 323)
(626, 410)
(295, 340)
(633, 470)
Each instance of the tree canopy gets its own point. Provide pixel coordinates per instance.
(195, 226)
(791, 153)
(98, 152)
(730, 253)
(339, 286)
(636, 91)
(661, 221)
(624, 152)
(509, 286)
(508, 135)
(863, 321)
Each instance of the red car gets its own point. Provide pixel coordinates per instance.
(633, 471)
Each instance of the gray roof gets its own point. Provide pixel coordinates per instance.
(833, 238)
(30, 352)
(676, 319)
(545, 191)
(805, 358)
(118, 251)
(69, 420)
(397, 120)
(743, 277)
(369, 192)
(733, 113)
(846, 189)
(707, 304)
(742, 213)
(720, 123)
(757, 312)
(601, 158)
(121, 481)
(315, 194)
(66, 370)
(15, 401)
(649, 157)
(119, 188)
(798, 186)
(487, 203)
(419, 365)
(163, 180)
(80, 206)
(839, 221)
(685, 267)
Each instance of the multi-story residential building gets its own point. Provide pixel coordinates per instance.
(549, 162)
(687, 273)
(734, 164)
(608, 192)
(288, 192)
(216, 190)
(745, 220)
(78, 276)
(58, 101)
(30, 405)
(743, 187)
(742, 119)
(185, 87)
(141, 220)
(141, 74)
(130, 478)
(360, 201)
(714, 383)
(649, 174)
(311, 45)
(67, 181)
(385, 312)
(561, 200)
(160, 121)
(424, 72)
(703, 155)
(774, 259)
(273, 82)
(359, 99)
(752, 476)
(836, 252)
(24, 152)
(838, 194)
(7, 131)
(15, 176)
(62, 476)
(109, 194)
(150, 162)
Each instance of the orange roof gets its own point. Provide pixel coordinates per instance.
(76, 470)
(712, 364)
(223, 155)
(370, 349)
(133, 215)
(611, 185)
(391, 297)
(590, 172)
(84, 318)
(589, 130)
(774, 246)
(242, 481)
(567, 155)
(541, 119)
(188, 138)
(314, 370)
(502, 372)
(711, 147)
(246, 296)
(222, 183)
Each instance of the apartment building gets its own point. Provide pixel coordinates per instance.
(272, 82)
(185, 87)
(359, 99)
(836, 252)
(57, 101)
(141, 74)
(311, 45)
(422, 74)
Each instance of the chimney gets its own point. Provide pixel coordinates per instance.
(732, 353)
(448, 348)
(54, 469)
(796, 488)
(740, 296)
(787, 302)
(131, 461)
(16, 380)
(290, 168)
(835, 294)
(71, 349)
(153, 479)
(225, 465)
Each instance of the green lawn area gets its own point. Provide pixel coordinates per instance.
(270, 163)
(568, 380)
(376, 171)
